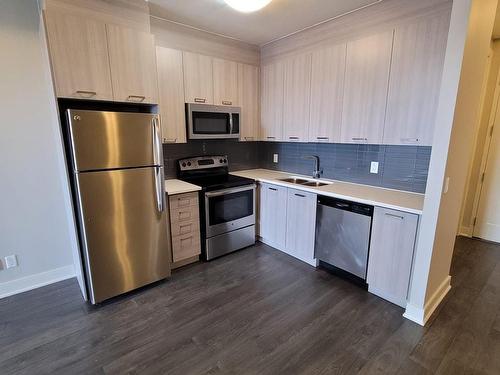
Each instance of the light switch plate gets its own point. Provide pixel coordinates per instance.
(275, 158)
(10, 261)
(374, 167)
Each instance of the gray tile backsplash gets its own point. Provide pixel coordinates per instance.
(400, 167)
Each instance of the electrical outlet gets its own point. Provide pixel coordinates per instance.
(10, 261)
(275, 158)
(374, 167)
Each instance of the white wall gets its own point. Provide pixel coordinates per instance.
(466, 57)
(35, 209)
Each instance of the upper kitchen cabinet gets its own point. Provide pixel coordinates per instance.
(133, 65)
(297, 97)
(272, 78)
(198, 78)
(365, 93)
(417, 65)
(225, 75)
(79, 54)
(248, 99)
(171, 95)
(327, 89)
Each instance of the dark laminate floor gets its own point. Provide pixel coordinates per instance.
(257, 312)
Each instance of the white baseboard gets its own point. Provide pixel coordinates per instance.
(421, 315)
(465, 231)
(38, 280)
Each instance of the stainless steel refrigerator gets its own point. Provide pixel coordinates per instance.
(117, 165)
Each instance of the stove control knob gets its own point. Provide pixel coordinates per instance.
(225, 160)
(189, 163)
(221, 161)
(183, 164)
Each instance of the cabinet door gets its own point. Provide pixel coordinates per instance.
(225, 74)
(391, 254)
(273, 77)
(248, 99)
(79, 56)
(171, 94)
(417, 65)
(297, 98)
(327, 89)
(365, 94)
(133, 65)
(198, 78)
(301, 225)
(273, 201)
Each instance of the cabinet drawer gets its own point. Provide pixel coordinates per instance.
(186, 246)
(183, 200)
(184, 214)
(182, 228)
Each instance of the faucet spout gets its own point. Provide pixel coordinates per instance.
(317, 170)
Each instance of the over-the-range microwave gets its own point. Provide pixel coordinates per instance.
(206, 121)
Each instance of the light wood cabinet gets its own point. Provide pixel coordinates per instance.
(297, 97)
(365, 93)
(391, 254)
(198, 78)
(171, 95)
(273, 214)
(225, 75)
(133, 65)
(416, 69)
(327, 89)
(301, 225)
(273, 79)
(248, 99)
(79, 55)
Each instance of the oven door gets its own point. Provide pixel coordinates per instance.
(229, 209)
(212, 122)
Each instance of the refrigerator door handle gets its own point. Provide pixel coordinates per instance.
(160, 194)
(157, 156)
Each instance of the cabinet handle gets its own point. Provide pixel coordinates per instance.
(412, 140)
(396, 216)
(166, 140)
(227, 102)
(300, 195)
(200, 100)
(88, 94)
(323, 138)
(359, 139)
(136, 98)
(271, 137)
(293, 137)
(273, 189)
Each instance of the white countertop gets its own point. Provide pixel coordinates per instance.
(175, 186)
(376, 196)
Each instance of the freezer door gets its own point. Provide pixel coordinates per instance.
(112, 140)
(124, 229)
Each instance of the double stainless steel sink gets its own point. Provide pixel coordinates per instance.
(304, 182)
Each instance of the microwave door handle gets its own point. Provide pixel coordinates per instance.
(230, 123)
(156, 142)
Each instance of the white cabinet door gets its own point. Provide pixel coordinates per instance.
(198, 78)
(225, 74)
(327, 90)
(248, 98)
(273, 77)
(79, 55)
(301, 225)
(133, 64)
(171, 94)
(297, 98)
(365, 94)
(391, 254)
(273, 213)
(416, 69)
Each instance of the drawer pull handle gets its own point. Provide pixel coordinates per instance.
(396, 216)
(410, 140)
(323, 138)
(136, 98)
(359, 139)
(227, 102)
(87, 94)
(273, 189)
(271, 137)
(166, 140)
(200, 100)
(300, 195)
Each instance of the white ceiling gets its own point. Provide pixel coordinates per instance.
(279, 18)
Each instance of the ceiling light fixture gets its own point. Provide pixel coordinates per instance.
(247, 6)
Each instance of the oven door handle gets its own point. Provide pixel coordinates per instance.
(229, 191)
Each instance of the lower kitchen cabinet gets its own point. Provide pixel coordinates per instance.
(301, 225)
(391, 254)
(184, 228)
(273, 215)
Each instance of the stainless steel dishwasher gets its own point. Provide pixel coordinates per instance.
(343, 237)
